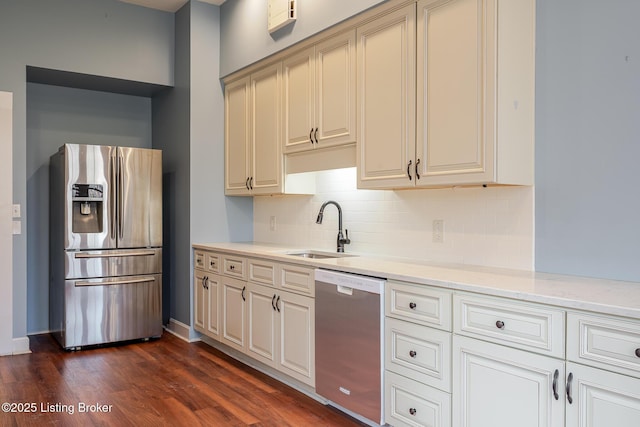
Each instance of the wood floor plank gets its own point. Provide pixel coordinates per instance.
(163, 382)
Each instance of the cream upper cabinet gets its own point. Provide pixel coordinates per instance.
(237, 136)
(266, 174)
(319, 95)
(475, 103)
(386, 96)
(474, 97)
(253, 134)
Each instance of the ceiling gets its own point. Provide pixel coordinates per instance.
(168, 5)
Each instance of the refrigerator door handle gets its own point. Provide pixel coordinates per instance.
(117, 282)
(118, 255)
(112, 196)
(120, 196)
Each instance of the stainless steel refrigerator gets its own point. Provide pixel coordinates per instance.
(105, 245)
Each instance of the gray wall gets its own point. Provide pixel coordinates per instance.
(588, 138)
(55, 116)
(188, 125)
(100, 37)
(244, 34)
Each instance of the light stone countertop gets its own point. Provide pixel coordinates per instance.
(572, 292)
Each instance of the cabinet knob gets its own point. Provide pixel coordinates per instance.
(232, 267)
(412, 411)
(413, 353)
(412, 305)
(500, 324)
(638, 352)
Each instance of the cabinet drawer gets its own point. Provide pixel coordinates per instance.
(419, 303)
(213, 263)
(409, 403)
(418, 352)
(611, 343)
(234, 267)
(297, 279)
(261, 271)
(527, 326)
(198, 260)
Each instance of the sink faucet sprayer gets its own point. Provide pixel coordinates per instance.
(341, 239)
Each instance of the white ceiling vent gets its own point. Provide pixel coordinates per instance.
(280, 13)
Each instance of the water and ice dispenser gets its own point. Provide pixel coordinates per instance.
(87, 208)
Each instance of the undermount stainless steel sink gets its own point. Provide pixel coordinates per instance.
(318, 254)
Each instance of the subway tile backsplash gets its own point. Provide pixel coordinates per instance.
(491, 227)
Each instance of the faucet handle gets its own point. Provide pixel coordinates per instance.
(346, 240)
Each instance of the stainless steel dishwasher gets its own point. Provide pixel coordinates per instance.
(349, 353)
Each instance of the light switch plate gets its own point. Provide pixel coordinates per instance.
(15, 211)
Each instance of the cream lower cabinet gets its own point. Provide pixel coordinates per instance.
(267, 323)
(233, 308)
(604, 384)
(508, 363)
(601, 399)
(498, 386)
(206, 294)
(280, 331)
(417, 355)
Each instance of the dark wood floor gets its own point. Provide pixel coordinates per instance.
(164, 382)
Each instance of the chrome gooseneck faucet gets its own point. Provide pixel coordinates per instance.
(341, 241)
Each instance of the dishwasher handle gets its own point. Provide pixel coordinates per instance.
(344, 290)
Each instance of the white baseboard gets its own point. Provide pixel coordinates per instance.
(182, 331)
(21, 345)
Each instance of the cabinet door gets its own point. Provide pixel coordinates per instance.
(335, 61)
(261, 323)
(237, 137)
(296, 326)
(212, 307)
(601, 398)
(455, 57)
(386, 92)
(233, 305)
(200, 303)
(497, 386)
(266, 131)
(298, 77)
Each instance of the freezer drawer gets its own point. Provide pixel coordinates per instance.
(117, 262)
(98, 311)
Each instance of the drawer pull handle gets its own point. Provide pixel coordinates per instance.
(412, 305)
(412, 411)
(555, 384)
(500, 324)
(413, 353)
(243, 289)
(569, 381)
(638, 352)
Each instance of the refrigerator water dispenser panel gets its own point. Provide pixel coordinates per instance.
(87, 208)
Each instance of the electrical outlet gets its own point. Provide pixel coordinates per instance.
(272, 223)
(438, 231)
